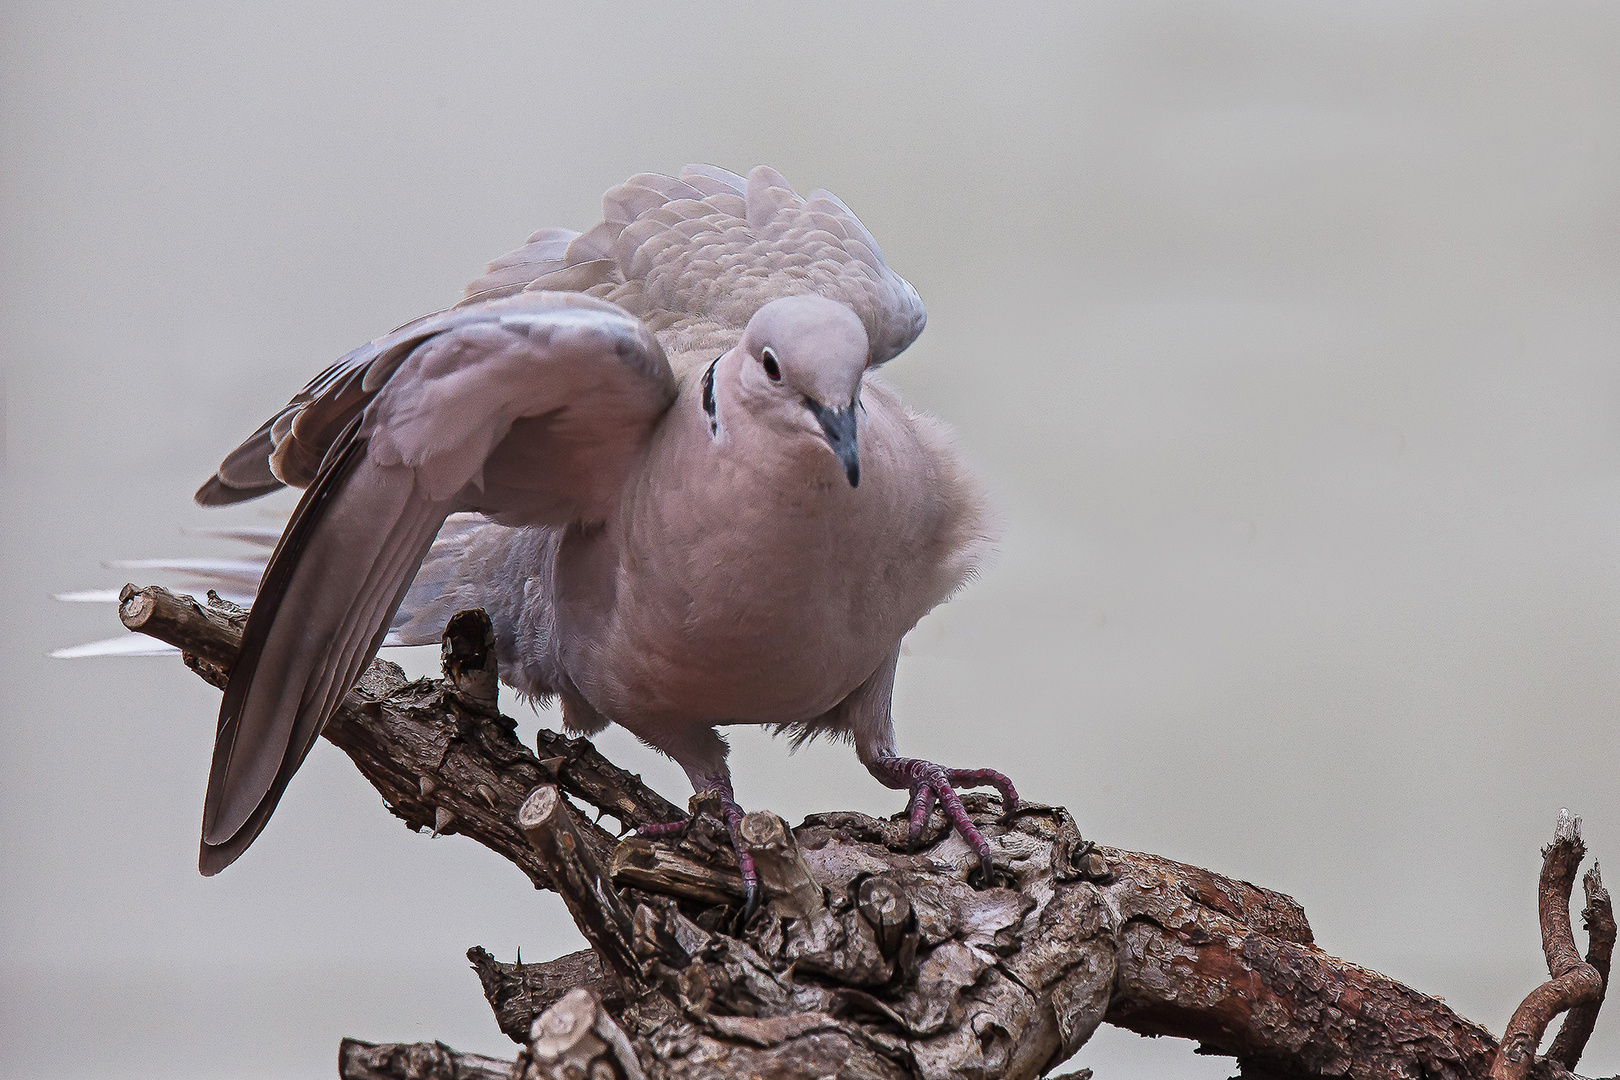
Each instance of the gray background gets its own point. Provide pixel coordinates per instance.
(1284, 334)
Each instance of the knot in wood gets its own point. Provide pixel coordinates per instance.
(562, 1027)
(765, 831)
(883, 904)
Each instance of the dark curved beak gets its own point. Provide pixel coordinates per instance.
(839, 427)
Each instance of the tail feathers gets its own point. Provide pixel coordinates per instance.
(233, 580)
(87, 596)
(441, 586)
(504, 570)
(236, 581)
(265, 536)
(141, 645)
(128, 645)
(240, 577)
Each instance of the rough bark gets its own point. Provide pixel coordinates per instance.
(415, 1061)
(1598, 919)
(867, 958)
(1574, 982)
(519, 992)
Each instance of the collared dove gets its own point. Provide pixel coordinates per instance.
(697, 506)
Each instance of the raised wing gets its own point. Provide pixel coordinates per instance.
(696, 256)
(693, 257)
(530, 409)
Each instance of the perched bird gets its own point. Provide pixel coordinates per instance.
(695, 505)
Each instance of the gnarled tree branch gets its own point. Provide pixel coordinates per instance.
(869, 959)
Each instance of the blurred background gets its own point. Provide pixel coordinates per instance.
(1285, 335)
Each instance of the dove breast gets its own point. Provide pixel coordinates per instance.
(760, 587)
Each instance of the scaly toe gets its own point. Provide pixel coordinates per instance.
(663, 828)
(745, 862)
(987, 778)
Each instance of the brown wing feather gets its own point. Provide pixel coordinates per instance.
(292, 672)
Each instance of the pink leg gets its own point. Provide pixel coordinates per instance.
(733, 815)
(927, 781)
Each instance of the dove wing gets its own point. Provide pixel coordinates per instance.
(530, 409)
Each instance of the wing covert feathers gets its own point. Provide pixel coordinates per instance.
(288, 448)
(696, 255)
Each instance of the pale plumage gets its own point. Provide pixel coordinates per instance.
(697, 507)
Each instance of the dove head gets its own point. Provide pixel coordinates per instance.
(801, 362)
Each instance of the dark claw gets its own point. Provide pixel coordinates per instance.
(745, 861)
(987, 873)
(745, 864)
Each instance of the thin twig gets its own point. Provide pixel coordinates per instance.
(1573, 981)
(1598, 919)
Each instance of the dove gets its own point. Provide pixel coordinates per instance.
(657, 455)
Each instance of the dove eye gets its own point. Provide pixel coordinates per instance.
(767, 360)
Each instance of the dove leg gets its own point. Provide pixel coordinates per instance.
(866, 715)
(702, 753)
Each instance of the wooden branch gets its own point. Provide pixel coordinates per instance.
(586, 775)
(783, 876)
(1280, 1007)
(440, 765)
(1574, 982)
(658, 867)
(182, 622)
(873, 960)
(1152, 945)
(519, 992)
(884, 906)
(467, 657)
(577, 1038)
(1598, 919)
(577, 874)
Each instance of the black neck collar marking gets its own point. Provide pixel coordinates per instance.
(708, 397)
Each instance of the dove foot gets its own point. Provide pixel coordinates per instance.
(733, 815)
(928, 782)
